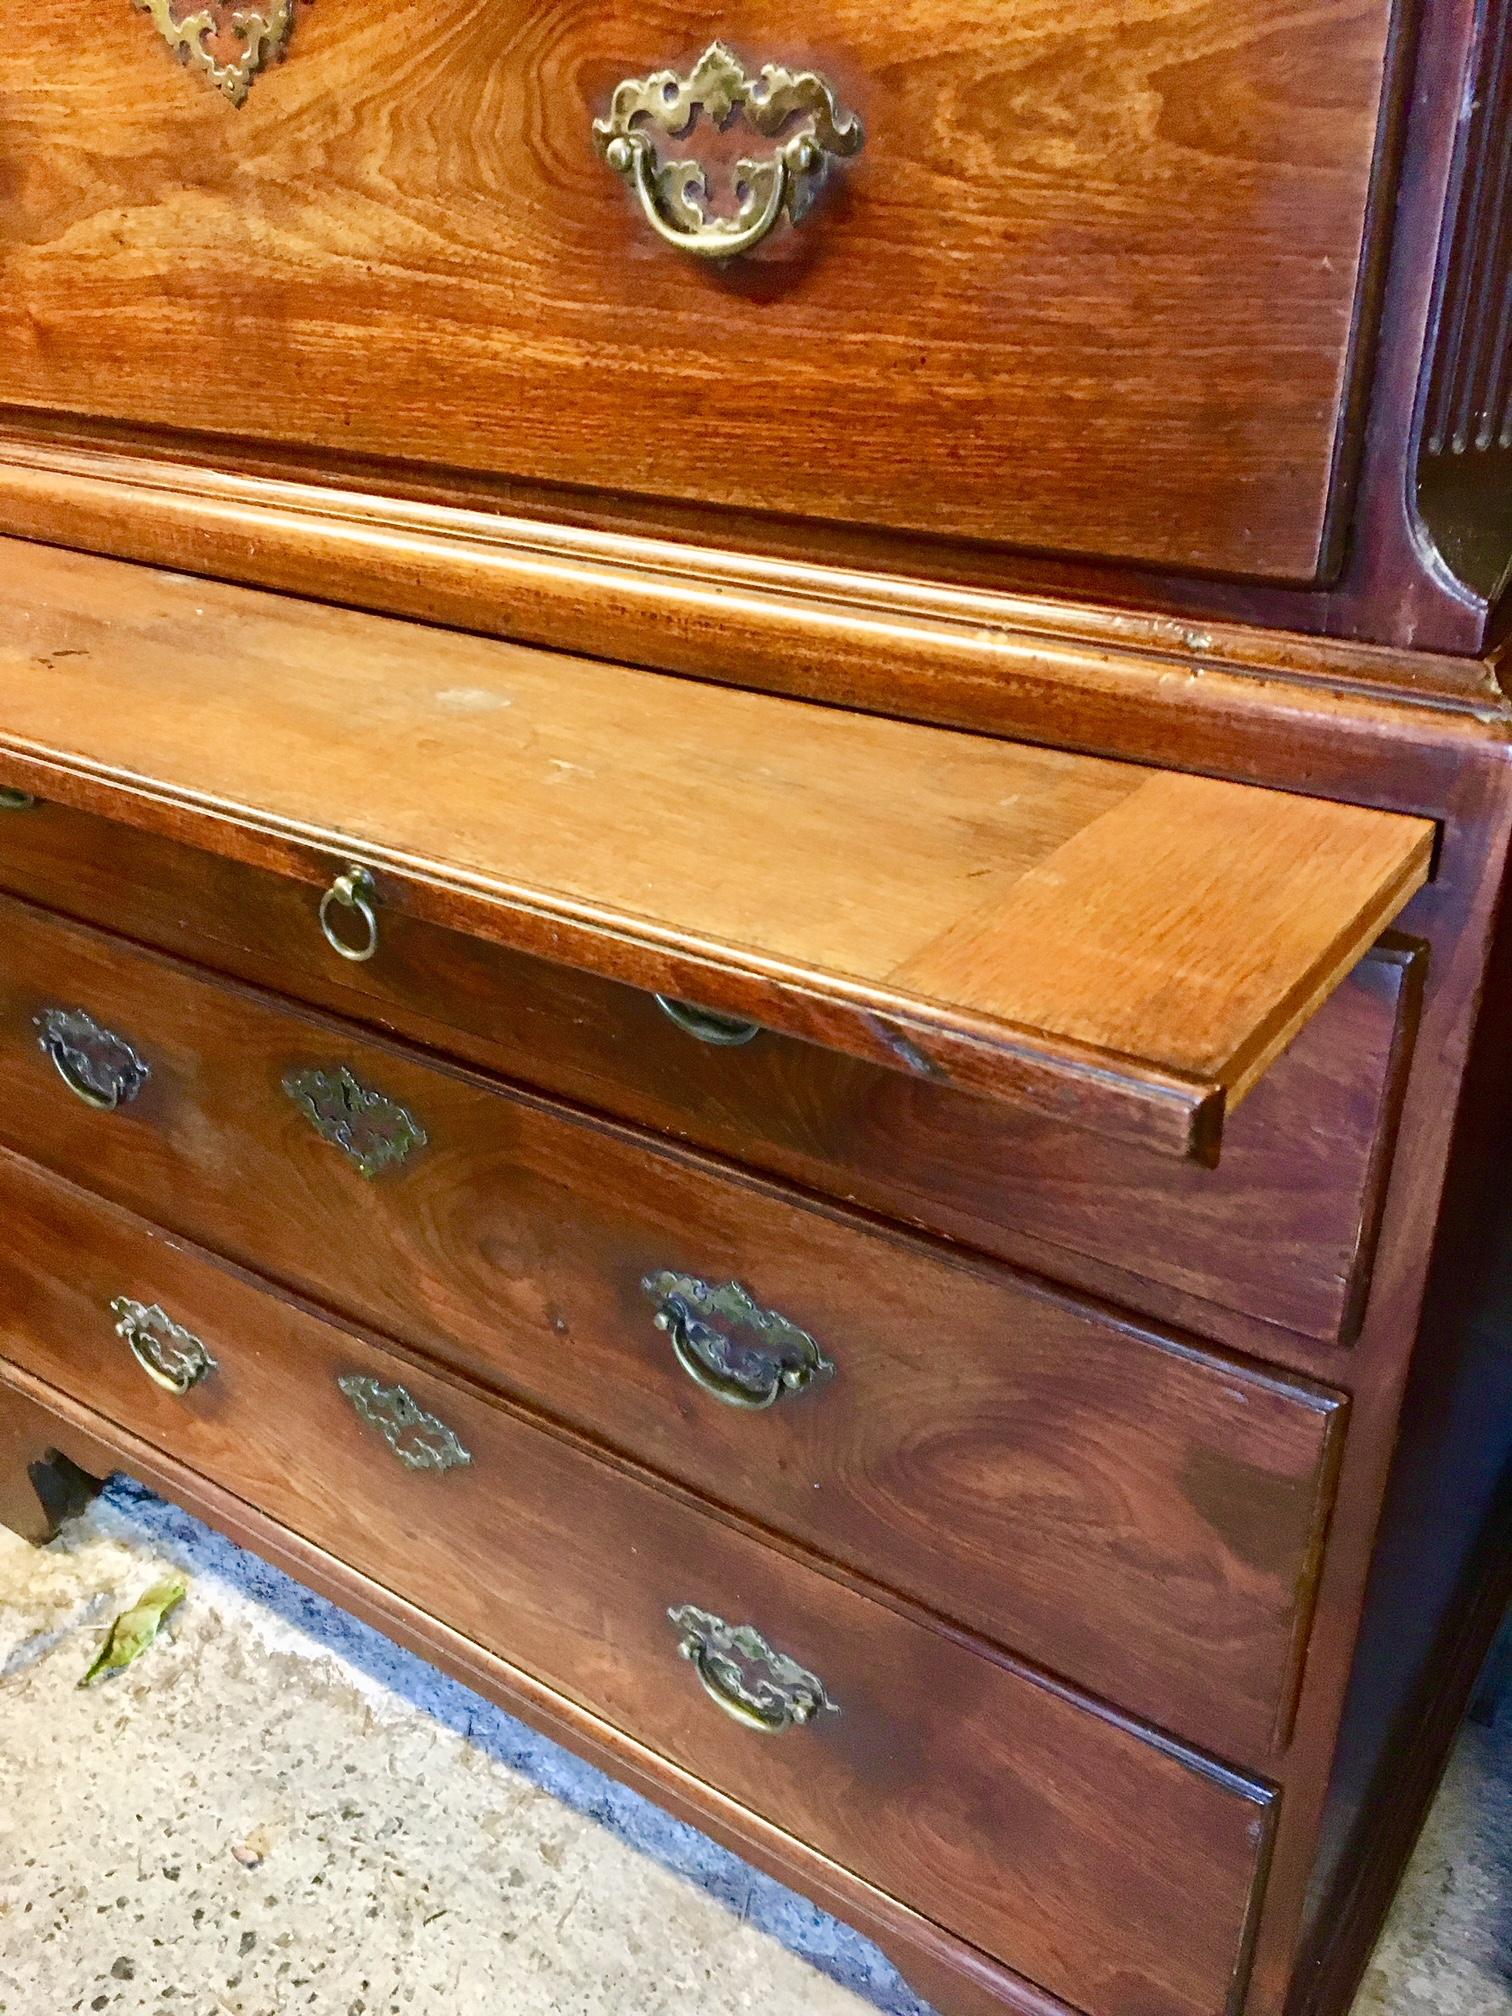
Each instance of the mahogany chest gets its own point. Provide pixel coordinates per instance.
(754, 804)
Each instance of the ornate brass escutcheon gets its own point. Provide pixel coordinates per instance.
(101, 1069)
(226, 42)
(758, 1687)
(754, 1371)
(418, 1439)
(365, 1125)
(166, 1352)
(795, 108)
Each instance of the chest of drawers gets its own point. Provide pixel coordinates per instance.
(754, 801)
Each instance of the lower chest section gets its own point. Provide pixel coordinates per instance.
(919, 1476)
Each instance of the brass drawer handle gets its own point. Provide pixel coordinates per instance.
(100, 1068)
(418, 1439)
(12, 800)
(166, 1352)
(674, 196)
(727, 1031)
(354, 891)
(365, 1125)
(781, 1360)
(759, 1688)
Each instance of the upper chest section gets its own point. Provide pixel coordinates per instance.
(1079, 280)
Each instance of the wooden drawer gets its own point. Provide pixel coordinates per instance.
(1115, 1871)
(1282, 1230)
(1126, 1510)
(1123, 948)
(1109, 281)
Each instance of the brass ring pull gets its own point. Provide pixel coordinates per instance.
(12, 800)
(674, 195)
(354, 891)
(757, 1687)
(101, 1069)
(724, 1031)
(731, 1347)
(166, 1352)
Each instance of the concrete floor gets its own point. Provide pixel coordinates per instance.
(277, 1811)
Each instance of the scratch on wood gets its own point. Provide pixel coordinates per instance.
(907, 1052)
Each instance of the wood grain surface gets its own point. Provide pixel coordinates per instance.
(439, 370)
(1282, 1232)
(1107, 275)
(959, 1978)
(1452, 771)
(1133, 1514)
(871, 884)
(1112, 1870)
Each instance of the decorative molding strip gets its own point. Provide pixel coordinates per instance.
(1469, 406)
(227, 44)
(961, 657)
(1464, 477)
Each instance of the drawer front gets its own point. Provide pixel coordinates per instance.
(1107, 277)
(1282, 1230)
(1114, 1871)
(1131, 1513)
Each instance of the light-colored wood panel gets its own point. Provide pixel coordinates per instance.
(1145, 938)
(1109, 934)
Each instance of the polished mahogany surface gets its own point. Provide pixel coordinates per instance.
(1110, 280)
(1137, 1515)
(1017, 637)
(1282, 1233)
(993, 1800)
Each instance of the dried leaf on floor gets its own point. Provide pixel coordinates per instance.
(135, 1629)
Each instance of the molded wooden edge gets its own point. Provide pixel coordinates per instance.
(712, 612)
(99, 1447)
(1412, 956)
(1242, 1072)
(1080, 1087)
(1304, 1607)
